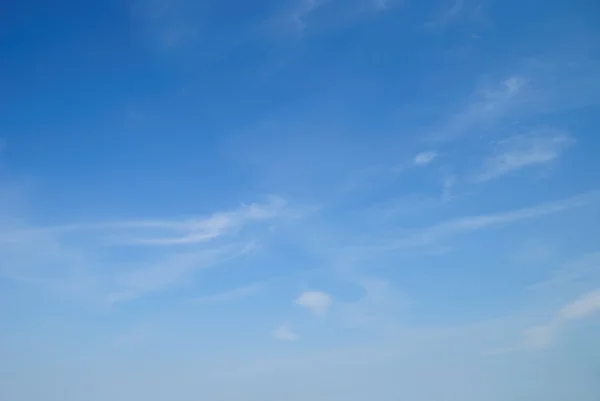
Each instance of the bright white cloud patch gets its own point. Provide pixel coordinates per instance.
(317, 302)
(285, 333)
(533, 149)
(424, 158)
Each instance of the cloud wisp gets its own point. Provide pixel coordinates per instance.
(157, 232)
(536, 148)
(543, 336)
(112, 262)
(285, 333)
(172, 271)
(434, 234)
(488, 103)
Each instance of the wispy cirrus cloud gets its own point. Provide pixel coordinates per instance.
(434, 234)
(156, 232)
(489, 103)
(544, 335)
(537, 86)
(172, 271)
(106, 262)
(537, 148)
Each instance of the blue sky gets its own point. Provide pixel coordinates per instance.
(300, 200)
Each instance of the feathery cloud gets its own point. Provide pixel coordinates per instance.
(168, 231)
(104, 261)
(544, 335)
(433, 234)
(171, 271)
(488, 103)
(317, 302)
(536, 148)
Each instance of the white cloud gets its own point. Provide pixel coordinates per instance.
(424, 158)
(543, 336)
(584, 306)
(170, 231)
(430, 235)
(538, 86)
(317, 302)
(533, 149)
(202, 230)
(173, 270)
(285, 333)
(103, 261)
(489, 103)
(231, 295)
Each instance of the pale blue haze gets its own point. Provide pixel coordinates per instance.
(300, 200)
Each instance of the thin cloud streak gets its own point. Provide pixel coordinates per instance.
(545, 335)
(489, 103)
(431, 235)
(537, 148)
(172, 271)
(74, 259)
(184, 231)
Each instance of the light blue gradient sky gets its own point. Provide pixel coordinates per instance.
(300, 200)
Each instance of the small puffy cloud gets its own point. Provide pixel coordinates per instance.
(532, 149)
(424, 158)
(317, 302)
(285, 333)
